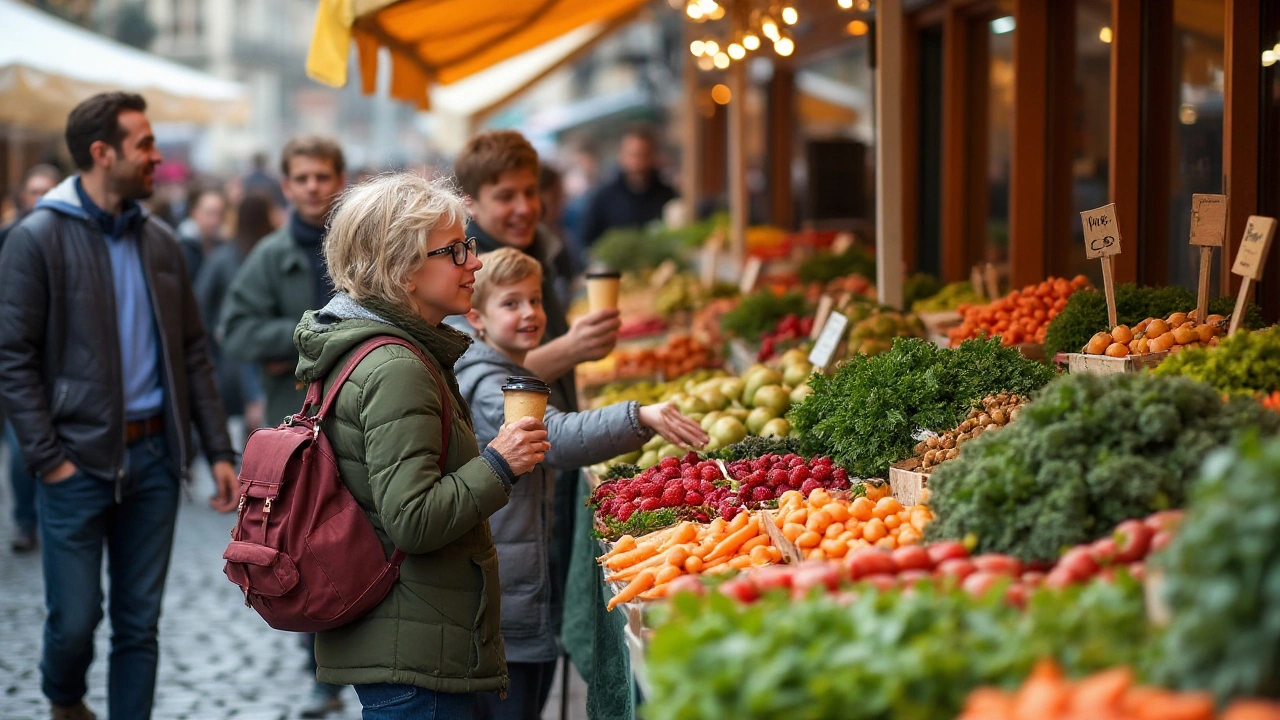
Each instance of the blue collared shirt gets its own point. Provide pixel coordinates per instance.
(135, 317)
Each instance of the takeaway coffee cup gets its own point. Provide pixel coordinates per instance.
(602, 289)
(524, 397)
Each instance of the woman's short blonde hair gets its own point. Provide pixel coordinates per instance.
(502, 268)
(378, 233)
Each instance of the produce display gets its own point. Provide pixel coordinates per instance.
(874, 655)
(1222, 579)
(950, 297)
(680, 355)
(791, 331)
(633, 328)
(1022, 316)
(1086, 454)
(684, 293)
(825, 266)
(649, 564)
(874, 329)
(1154, 335)
(1049, 695)
(822, 526)
(918, 288)
(996, 412)
(1086, 313)
(760, 312)
(1246, 363)
(866, 415)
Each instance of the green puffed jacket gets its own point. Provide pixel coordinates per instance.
(439, 626)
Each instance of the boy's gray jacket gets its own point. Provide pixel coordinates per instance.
(522, 529)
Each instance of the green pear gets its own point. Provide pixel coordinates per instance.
(648, 459)
(756, 380)
(689, 404)
(670, 451)
(728, 430)
(630, 457)
(797, 373)
(654, 443)
(776, 428)
(773, 397)
(794, 356)
(732, 388)
(800, 393)
(714, 399)
(757, 418)
(710, 419)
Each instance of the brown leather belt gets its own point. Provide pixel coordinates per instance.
(136, 430)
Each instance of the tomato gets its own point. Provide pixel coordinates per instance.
(687, 583)
(1161, 540)
(1138, 570)
(1133, 540)
(911, 557)
(1017, 595)
(882, 581)
(998, 564)
(1078, 564)
(909, 578)
(949, 550)
(1032, 578)
(773, 577)
(870, 561)
(740, 589)
(1058, 579)
(958, 568)
(815, 575)
(1167, 520)
(1103, 551)
(980, 583)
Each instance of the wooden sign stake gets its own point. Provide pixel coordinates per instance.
(993, 283)
(1251, 259)
(750, 275)
(1208, 228)
(1102, 241)
(826, 304)
(709, 257)
(975, 279)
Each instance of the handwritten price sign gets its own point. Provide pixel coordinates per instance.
(1101, 232)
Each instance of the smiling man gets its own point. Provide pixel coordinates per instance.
(103, 371)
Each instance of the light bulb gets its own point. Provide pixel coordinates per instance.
(1268, 58)
(784, 46)
(721, 60)
(845, 4)
(789, 15)
(857, 28)
(1105, 34)
(736, 51)
(705, 64)
(770, 29)
(694, 11)
(710, 47)
(721, 94)
(864, 5)
(751, 41)
(697, 47)
(717, 13)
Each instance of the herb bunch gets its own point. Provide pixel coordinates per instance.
(823, 267)
(759, 312)
(866, 415)
(1246, 363)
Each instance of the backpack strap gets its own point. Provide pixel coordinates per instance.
(317, 387)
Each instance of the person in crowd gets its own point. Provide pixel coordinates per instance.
(632, 198)
(258, 179)
(401, 264)
(574, 259)
(238, 381)
(38, 181)
(498, 174)
(283, 277)
(509, 319)
(103, 370)
(202, 231)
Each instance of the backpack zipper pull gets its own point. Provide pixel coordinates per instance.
(266, 515)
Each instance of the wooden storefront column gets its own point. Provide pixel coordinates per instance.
(1125, 170)
(890, 27)
(1240, 127)
(781, 136)
(691, 123)
(1029, 176)
(737, 161)
(956, 157)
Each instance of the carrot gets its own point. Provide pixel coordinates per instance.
(1102, 692)
(628, 573)
(643, 582)
(775, 553)
(657, 593)
(624, 544)
(677, 555)
(715, 563)
(626, 559)
(739, 521)
(760, 555)
(730, 544)
(753, 543)
(686, 532)
(740, 562)
(667, 574)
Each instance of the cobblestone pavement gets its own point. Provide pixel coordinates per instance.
(218, 659)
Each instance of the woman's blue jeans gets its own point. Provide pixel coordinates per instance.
(385, 701)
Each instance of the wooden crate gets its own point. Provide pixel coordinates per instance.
(1105, 365)
(1032, 351)
(907, 486)
(791, 554)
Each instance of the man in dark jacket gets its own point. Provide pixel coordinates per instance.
(38, 181)
(282, 278)
(103, 370)
(201, 232)
(633, 198)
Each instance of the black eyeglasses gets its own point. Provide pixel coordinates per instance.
(459, 249)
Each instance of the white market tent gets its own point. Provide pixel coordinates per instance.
(48, 65)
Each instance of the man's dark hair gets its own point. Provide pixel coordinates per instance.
(198, 191)
(641, 130)
(98, 118)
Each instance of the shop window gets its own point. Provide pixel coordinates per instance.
(1090, 129)
(999, 133)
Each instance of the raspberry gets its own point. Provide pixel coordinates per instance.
(668, 463)
(671, 473)
(650, 504)
(760, 464)
(776, 477)
(797, 476)
(693, 497)
(625, 511)
(629, 492)
(673, 495)
(754, 479)
(651, 489)
(728, 512)
(691, 484)
(823, 461)
(690, 458)
(706, 487)
(821, 473)
(760, 494)
(609, 506)
(689, 471)
(709, 473)
(701, 517)
(841, 476)
(795, 461)
(809, 486)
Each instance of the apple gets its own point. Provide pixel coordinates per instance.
(911, 557)
(1133, 541)
(740, 589)
(949, 550)
(776, 428)
(998, 564)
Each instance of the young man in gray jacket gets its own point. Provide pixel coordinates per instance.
(103, 371)
(509, 320)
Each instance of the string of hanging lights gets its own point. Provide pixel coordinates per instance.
(752, 22)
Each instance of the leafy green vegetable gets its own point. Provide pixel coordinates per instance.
(949, 298)
(754, 447)
(865, 415)
(641, 522)
(1245, 363)
(1222, 579)
(879, 656)
(622, 471)
(760, 311)
(1086, 313)
(634, 250)
(824, 267)
(918, 287)
(1087, 453)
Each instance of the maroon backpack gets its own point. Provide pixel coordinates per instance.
(303, 551)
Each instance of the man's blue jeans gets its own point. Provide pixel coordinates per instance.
(24, 486)
(387, 701)
(77, 517)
